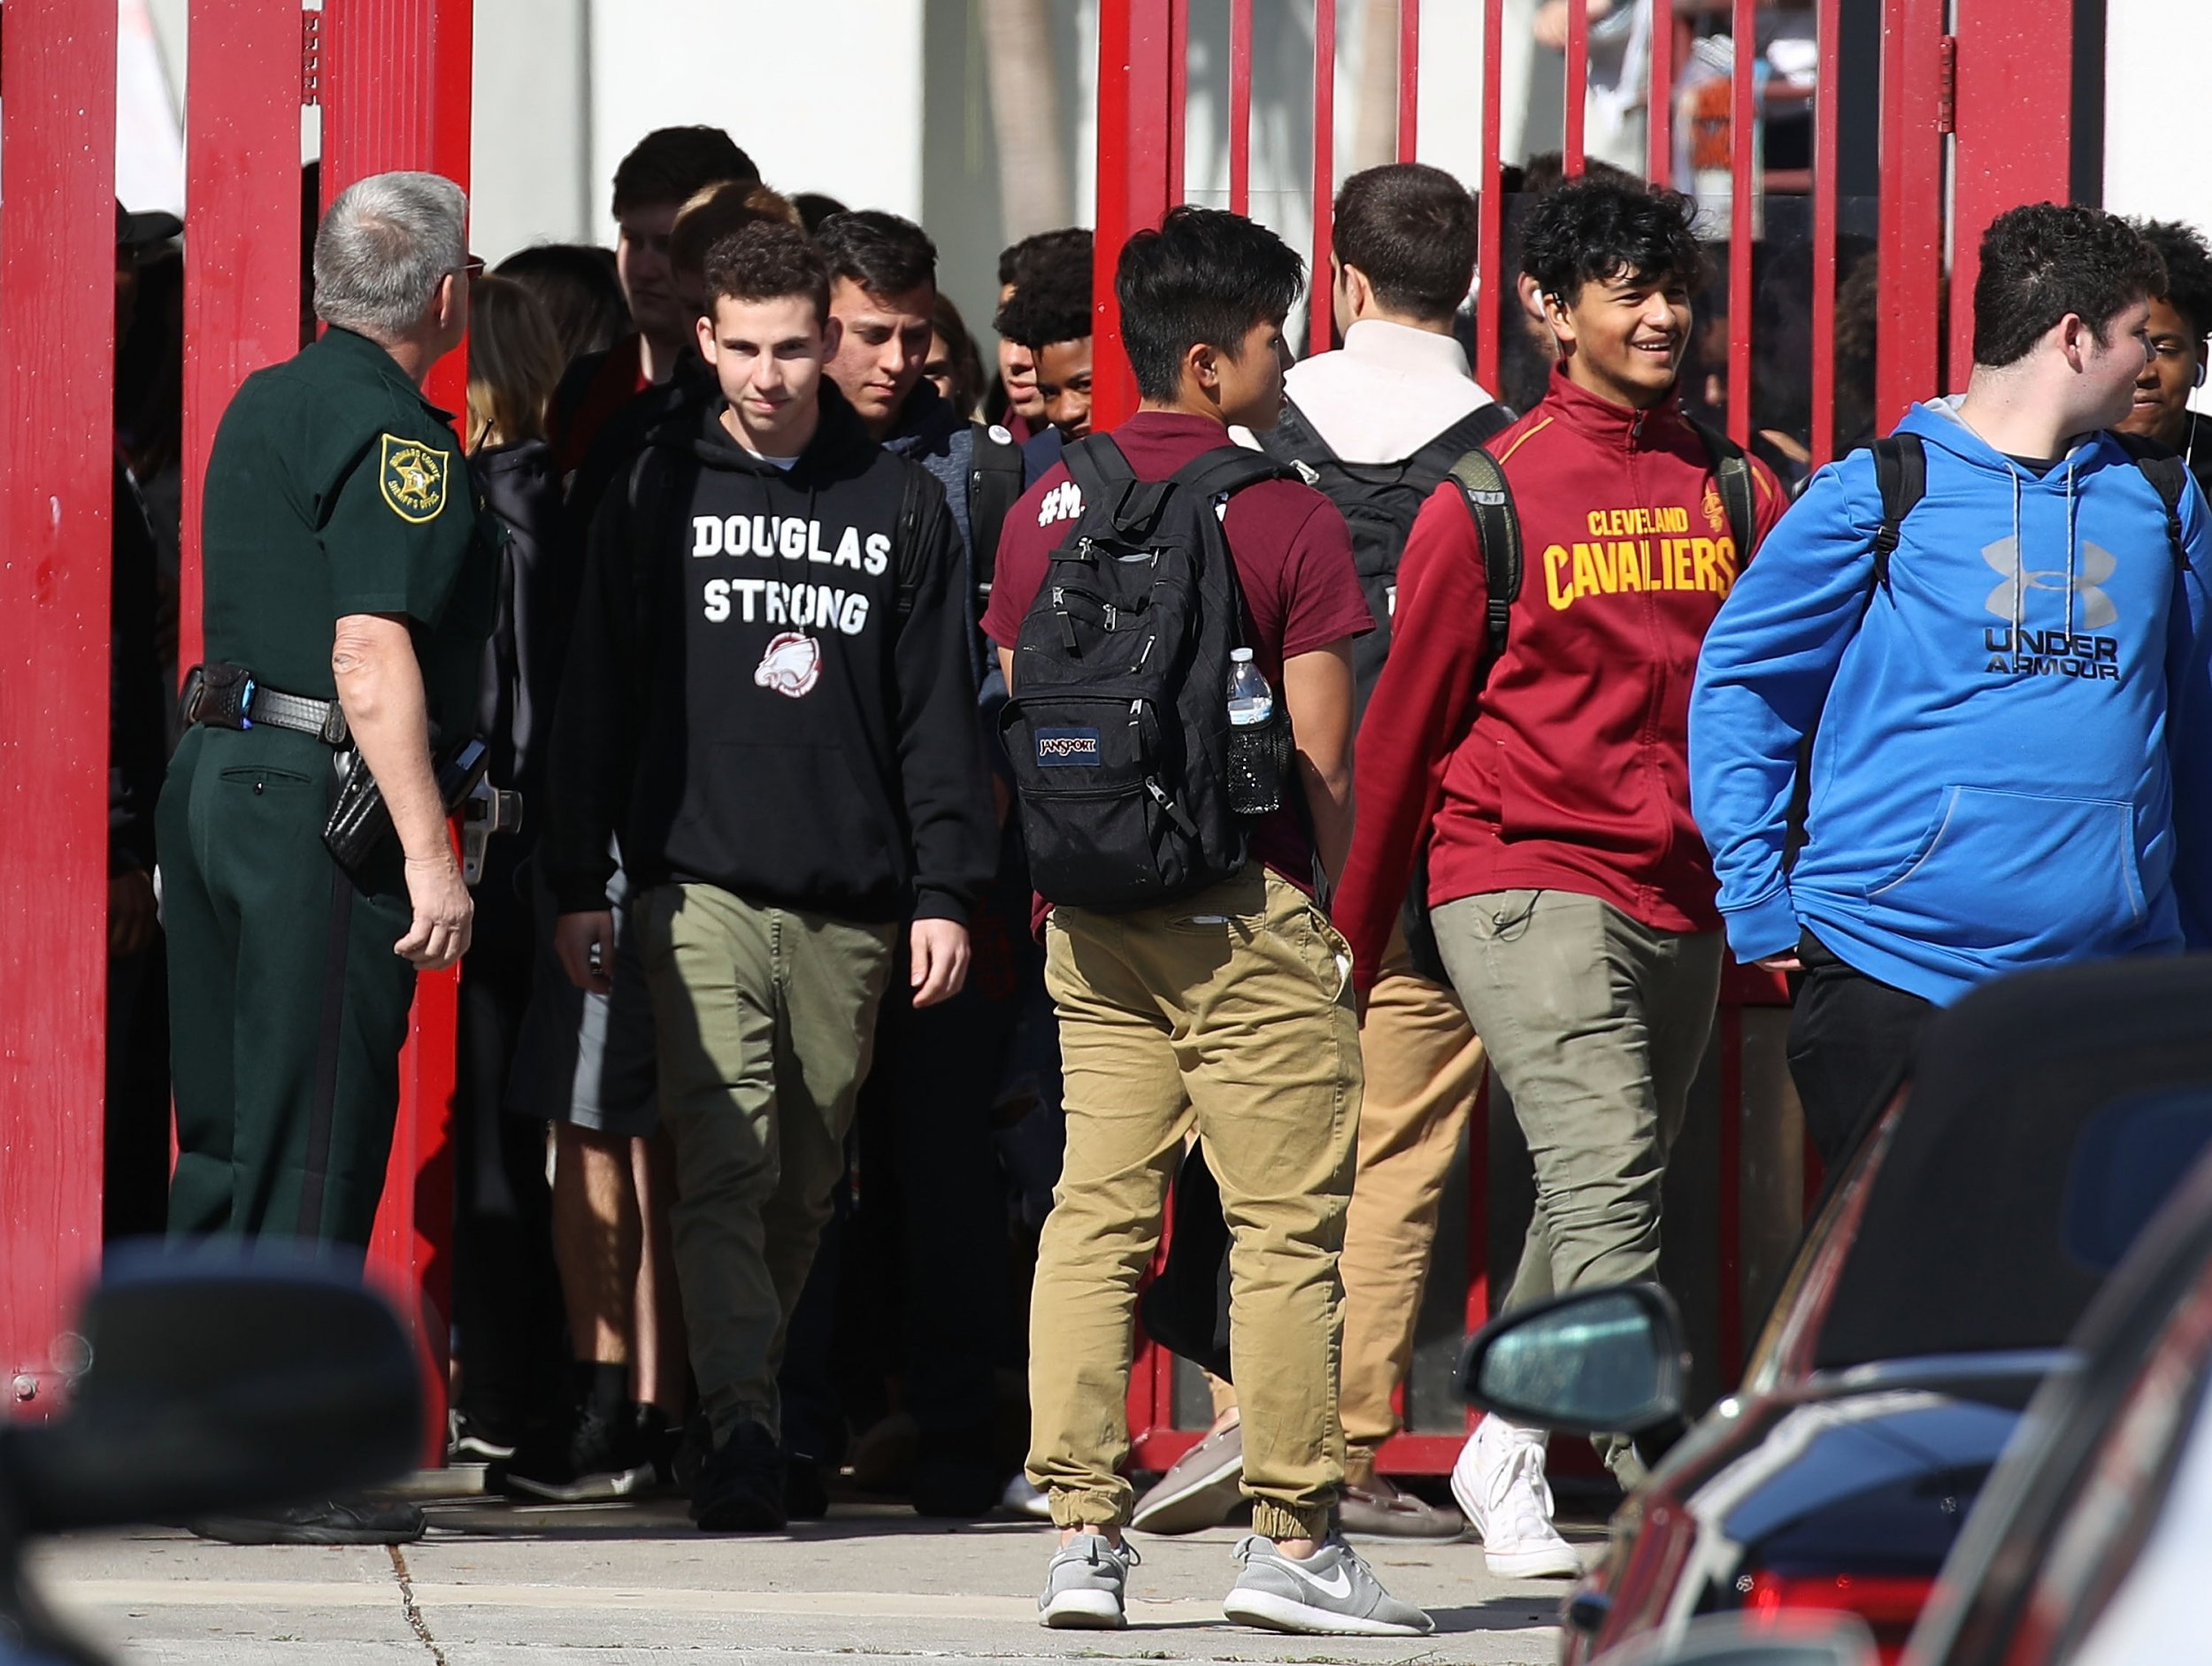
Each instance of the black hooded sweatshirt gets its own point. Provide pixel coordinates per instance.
(775, 700)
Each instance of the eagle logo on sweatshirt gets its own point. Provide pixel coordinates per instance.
(792, 665)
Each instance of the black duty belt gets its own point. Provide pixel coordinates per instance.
(232, 697)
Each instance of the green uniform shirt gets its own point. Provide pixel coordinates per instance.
(335, 488)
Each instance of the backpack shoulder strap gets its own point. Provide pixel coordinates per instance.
(1427, 467)
(1498, 530)
(1225, 471)
(2169, 477)
(1294, 439)
(994, 486)
(1111, 490)
(1901, 475)
(1732, 474)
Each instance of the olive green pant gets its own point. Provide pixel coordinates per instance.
(287, 1007)
(1596, 1026)
(765, 1018)
(1229, 1012)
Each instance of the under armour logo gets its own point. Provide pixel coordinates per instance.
(2095, 568)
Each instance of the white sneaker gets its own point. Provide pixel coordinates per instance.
(1499, 1482)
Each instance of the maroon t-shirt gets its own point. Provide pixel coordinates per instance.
(1294, 558)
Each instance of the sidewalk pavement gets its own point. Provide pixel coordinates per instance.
(496, 1584)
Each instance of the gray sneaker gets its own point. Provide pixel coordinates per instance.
(1084, 1583)
(1331, 1592)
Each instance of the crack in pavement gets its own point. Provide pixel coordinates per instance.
(407, 1603)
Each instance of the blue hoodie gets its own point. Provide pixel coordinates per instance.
(2012, 766)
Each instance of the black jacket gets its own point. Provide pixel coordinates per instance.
(776, 700)
(541, 572)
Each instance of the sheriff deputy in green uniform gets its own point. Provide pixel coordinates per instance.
(348, 592)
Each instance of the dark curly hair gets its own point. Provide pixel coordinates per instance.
(2042, 262)
(1046, 251)
(767, 261)
(1594, 230)
(2188, 272)
(1053, 305)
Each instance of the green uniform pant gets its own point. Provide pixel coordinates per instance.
(287, 1007)
(765, 1018)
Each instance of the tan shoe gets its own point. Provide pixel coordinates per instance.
(1205, 1485)
(1375, 1508)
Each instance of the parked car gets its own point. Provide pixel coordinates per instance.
(214, 1382)
(1953, 1254)
(2092, 1540)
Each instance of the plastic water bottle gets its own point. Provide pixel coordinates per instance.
(1251, 701)
(1258, 746)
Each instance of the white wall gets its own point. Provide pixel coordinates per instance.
(2153, 160)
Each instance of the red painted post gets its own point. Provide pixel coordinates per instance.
(1240, 107)
(1659, 102)
(242, 258)
(1494, 285)
(1177, 98)
(1134, 117)
(397, 95)
(56, 478)
(2015, 123)
(1909, 352)
(1826, 120)
(1573, 150)
(1408, 78)
(1320, 315)
(1743, 208)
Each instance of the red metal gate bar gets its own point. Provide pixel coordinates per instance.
(1742, 147)
(1240, 107)
(397, 96)
(243, 253)
(1177, 98)
(1574, 151)
(1134, 117)
(1494, 288)
(2015, 96)
(1409, 77)
(57, 475)
(1320, 314)
(1908, 350)
(1659, 96)
(1828, 31)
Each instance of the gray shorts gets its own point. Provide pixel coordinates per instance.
(583, 1058)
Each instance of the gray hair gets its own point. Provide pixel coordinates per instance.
(383, 249)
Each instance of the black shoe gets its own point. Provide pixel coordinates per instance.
(953, 1486)
(805, 1497)
(740, 1488)
(343, 1521)
(471, 1439)
(594, 1457)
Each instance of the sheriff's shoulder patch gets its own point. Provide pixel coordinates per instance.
(412, 476)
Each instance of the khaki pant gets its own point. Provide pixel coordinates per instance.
(1596, 1026)
(1230, 1012)
(1423, 1066)
(765, 1018)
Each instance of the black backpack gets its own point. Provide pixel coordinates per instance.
(1118, 731)
(994, 484)
(1378, 502)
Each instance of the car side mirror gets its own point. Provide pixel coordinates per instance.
(1757, 1639)
(1593, 1362)
(219, 1380)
